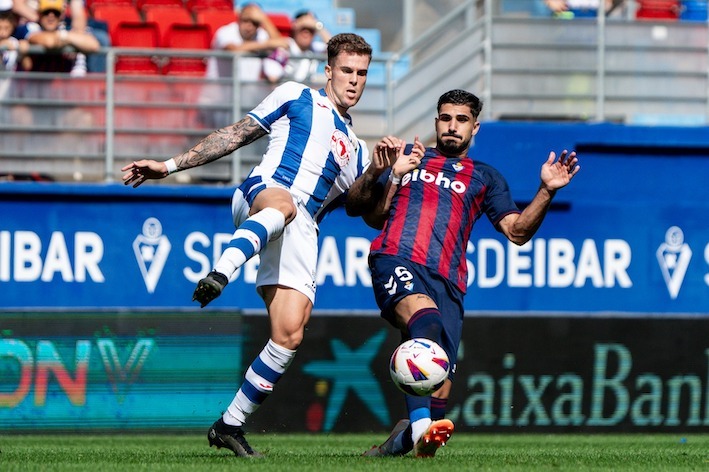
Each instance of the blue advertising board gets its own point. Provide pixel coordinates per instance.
(628, 236)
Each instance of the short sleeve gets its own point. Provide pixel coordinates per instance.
(498, 201)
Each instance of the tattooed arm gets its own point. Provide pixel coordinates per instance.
(218, 144)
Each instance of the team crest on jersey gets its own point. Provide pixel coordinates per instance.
(341, 147)
(458, 167)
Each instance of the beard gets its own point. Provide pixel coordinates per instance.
(450, 147)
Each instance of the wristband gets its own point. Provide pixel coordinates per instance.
(63, 34)
(394, 179)
(171, 166)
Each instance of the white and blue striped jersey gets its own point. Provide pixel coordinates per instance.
(312, 151)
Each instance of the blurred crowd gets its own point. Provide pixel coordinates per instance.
(69, 37)
(72, 33)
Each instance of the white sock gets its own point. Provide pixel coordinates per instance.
(249, 238)
(261, 376)
(419, 427)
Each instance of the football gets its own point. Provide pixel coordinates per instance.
(419, 367)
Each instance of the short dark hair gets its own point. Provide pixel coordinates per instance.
(8, 15)
(461, 97)
(301, 13)
(347, 42)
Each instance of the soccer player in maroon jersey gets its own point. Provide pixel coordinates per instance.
(426, 210)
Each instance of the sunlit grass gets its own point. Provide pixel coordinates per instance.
(322, 453)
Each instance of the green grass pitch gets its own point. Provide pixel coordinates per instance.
(324, 453)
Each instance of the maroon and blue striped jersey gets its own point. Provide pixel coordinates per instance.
(433, 212)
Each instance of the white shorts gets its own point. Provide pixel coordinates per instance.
(291, 258)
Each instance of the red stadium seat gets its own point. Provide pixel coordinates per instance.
(215, 19)
(181, 36)
(141, 4)
(282, 22)
(136, 35)
(91, 4)
(197, 5)
(165, 16)
(114, 14)
(667, 10)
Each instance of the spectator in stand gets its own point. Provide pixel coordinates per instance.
(12, 51)
(309, 39)
(254, 33)
(51, 32)
(255, 36)
(76, 20)
(12, 48)
(23, 11)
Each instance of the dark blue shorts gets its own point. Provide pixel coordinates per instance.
(394, 278)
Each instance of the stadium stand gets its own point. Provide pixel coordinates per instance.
(526, 46)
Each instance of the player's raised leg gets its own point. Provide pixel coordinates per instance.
(271, 210)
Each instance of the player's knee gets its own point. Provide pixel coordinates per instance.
(277, 199)
(289, 340)
(288, 209)
(289, 335)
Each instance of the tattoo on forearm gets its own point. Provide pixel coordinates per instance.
(364, 195)
(220, 143)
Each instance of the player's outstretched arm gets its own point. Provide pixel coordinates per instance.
(215, 146)
(555, 174)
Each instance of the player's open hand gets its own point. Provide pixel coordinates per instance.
(557, 173)
(405, 163)
(386, 152)
(138, 172)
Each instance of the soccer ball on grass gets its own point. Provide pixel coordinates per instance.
(419, 367)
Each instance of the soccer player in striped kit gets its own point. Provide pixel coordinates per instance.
(426, 211)
(312, 159)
